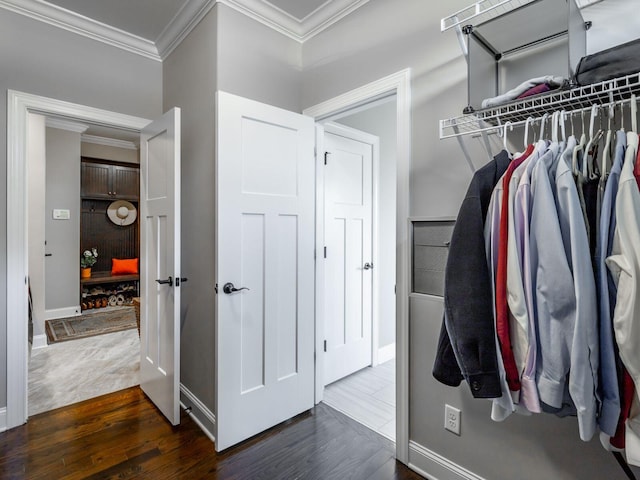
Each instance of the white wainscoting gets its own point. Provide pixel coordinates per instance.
(386, 353)
(54, 313)
(39, 341)
(436, 467)
(199, 412)
(3, 419)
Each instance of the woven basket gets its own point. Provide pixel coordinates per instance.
(136, 306)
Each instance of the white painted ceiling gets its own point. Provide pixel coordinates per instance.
(298, 9)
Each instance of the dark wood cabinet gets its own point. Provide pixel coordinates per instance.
(109, 181)
(102, 182)
(125, 182)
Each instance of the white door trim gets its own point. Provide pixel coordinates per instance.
(18, 105)
(354, 134)
(400, 84)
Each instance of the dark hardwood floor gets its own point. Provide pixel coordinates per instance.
(122, 436)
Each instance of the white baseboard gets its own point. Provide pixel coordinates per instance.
(3, 419)
(386, 353)
(39, 341)
(199, 412)
(436, 467)
(62, 312)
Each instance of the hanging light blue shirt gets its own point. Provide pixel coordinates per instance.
(607, 291)
(584, 354)
(552, 286)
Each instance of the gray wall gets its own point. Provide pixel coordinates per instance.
(189, 78)
(381, 121)
(377, 40)
(62, 268)
(257, 62)
(48, 61)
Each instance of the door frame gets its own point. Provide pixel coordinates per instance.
(19, 104)
(372, 140)
(398, 84)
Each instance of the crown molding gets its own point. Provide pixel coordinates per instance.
(60, 124)
(327, 15)
(87, 27)
(586, 3)
(109, 142)
(185, 21)
(181, 25)
(300, 30)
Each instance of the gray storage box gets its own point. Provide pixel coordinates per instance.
(430, 250)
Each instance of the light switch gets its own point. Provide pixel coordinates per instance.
(61, 214)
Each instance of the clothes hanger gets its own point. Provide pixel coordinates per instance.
(573, 129)
(504, 134)
(634, 114)
(588, 170)
(605, 166)
(579, 148)
(563, 118)
(555, 124)
(526, 131)
(542, 123)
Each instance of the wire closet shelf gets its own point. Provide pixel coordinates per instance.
(575, 100)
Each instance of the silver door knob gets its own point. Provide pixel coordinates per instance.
(368, 266)
(229, 288)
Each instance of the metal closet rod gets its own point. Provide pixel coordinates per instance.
(602, 108)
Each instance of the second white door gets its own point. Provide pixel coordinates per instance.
(348, 207)
(265, 267)
(160, 263)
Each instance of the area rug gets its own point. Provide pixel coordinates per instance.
(111, 320)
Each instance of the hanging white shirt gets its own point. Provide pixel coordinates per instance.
(624, 264)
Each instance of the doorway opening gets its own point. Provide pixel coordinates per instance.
(20, 106)
(359, 190)
(396, 87)
(82, 331)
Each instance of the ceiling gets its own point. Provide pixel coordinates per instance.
(153, 28)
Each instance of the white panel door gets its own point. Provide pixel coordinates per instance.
(160, 263)
(265, 250)
(348, 203)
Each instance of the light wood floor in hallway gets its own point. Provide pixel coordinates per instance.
(368, 396)
(123, 436)
(69, 372)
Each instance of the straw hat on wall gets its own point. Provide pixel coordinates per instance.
(122, 213)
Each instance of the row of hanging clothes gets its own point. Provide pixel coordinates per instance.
(542, 291)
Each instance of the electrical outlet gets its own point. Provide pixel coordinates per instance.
(452, 419)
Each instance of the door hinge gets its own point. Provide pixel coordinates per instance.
(326, 154)
(325, 345)
(216, 288)
(325, 252)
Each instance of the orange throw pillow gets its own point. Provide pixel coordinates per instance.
(124, 266)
